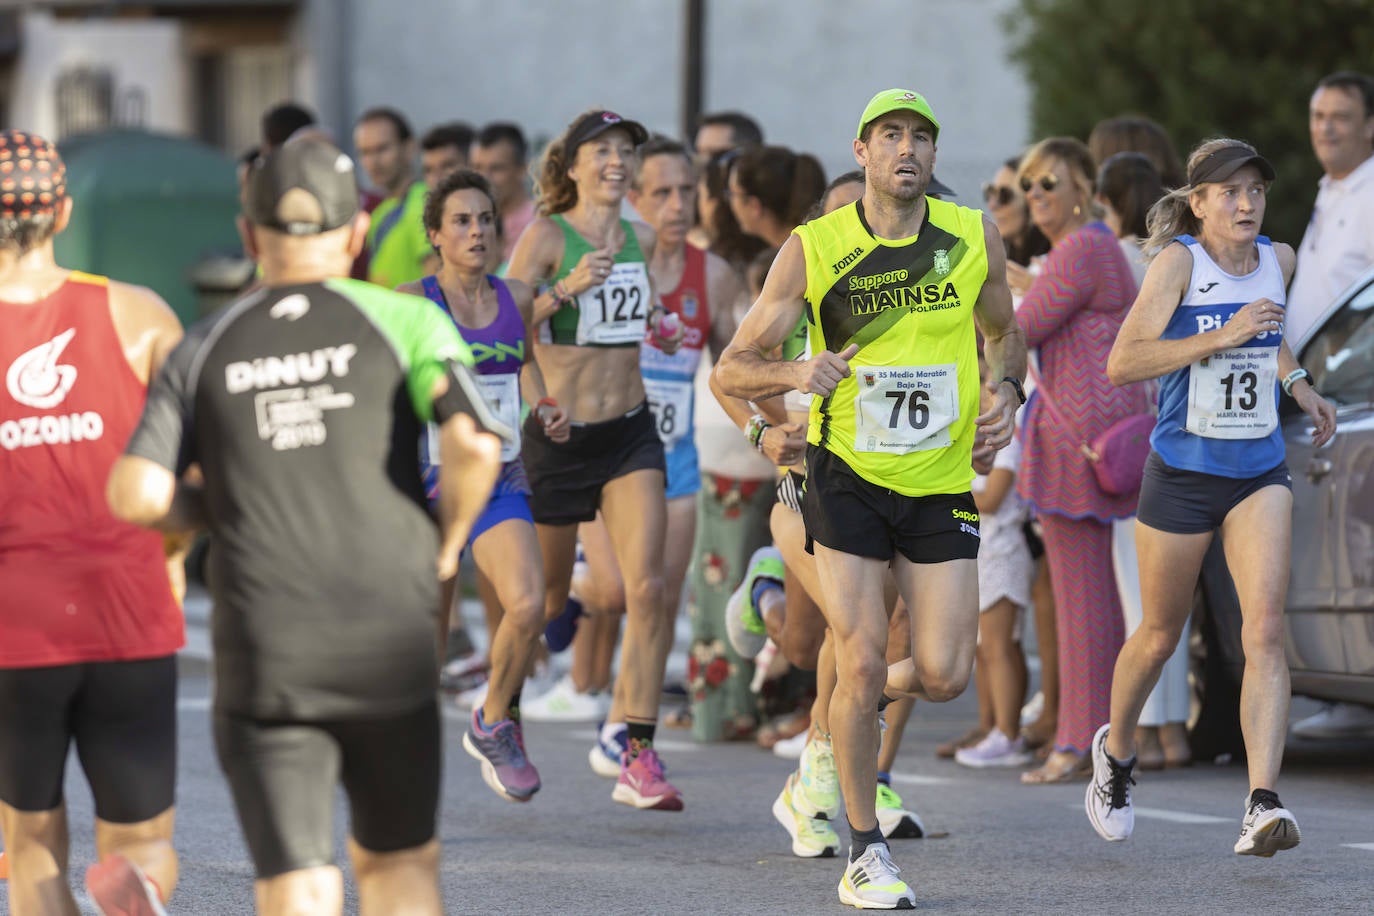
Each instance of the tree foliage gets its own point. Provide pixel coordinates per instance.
(1201, 68)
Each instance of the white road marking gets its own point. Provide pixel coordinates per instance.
(1367, 847)
(1176, 817)
(193, 703)
(916, 779)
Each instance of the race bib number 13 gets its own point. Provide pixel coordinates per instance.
(901, 409)
(1231, 394)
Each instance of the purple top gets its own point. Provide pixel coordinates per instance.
(498, 348)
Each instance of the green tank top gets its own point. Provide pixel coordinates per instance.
(903, 418)
(610, 315)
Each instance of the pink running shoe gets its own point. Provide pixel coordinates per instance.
(641, 783)
(118, 887)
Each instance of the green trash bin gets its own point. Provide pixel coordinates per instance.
(149, 209)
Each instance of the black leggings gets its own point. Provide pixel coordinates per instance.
(123, 718)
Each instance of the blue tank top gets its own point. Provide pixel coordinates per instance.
(498, 351)
(1220, 415)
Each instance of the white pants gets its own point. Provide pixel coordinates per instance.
(1171, 700)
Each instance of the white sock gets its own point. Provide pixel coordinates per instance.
(610, 730)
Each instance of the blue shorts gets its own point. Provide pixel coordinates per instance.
(501, 507)
(684, 477)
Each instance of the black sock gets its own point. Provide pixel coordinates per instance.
(860, 840)
(515, 706)
(640, 733)
(1265, 795)
(884, 701)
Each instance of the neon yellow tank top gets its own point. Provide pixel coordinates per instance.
(903, 419)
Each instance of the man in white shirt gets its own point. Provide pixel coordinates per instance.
(1338, 245)
(1336, 249)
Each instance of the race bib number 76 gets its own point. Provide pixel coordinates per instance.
(902, 409)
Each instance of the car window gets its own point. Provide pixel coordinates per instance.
(1341, 355)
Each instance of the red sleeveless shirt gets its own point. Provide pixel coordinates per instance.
(76, 584)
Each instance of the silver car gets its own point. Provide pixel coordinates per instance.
(1330, 605)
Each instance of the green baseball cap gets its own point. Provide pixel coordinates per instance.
(897, 100)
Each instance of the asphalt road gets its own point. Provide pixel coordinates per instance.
(1006, 848)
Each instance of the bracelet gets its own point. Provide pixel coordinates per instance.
(560, 292)
(754, 430)
(1295, 376)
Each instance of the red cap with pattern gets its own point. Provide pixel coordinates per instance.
(33, 179)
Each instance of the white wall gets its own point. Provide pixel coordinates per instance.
(804, 68)
(143, 54)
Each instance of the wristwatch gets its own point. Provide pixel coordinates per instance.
(1020, 392)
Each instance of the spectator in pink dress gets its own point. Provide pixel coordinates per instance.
(1072, 313)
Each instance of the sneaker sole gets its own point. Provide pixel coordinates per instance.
(1014, 760)
(849, 898)
(1273, 837)
(900, 824)
(602, 765)
(489, 774)
(799, 849)
(628, 796)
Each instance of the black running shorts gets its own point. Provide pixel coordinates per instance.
(282, 776)
(566, 478)
(847, 513)
(122, 717)
(1187, 502)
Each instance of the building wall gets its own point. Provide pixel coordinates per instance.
(144, 56)
(805, 68)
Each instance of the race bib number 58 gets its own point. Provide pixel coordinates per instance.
(901, 409)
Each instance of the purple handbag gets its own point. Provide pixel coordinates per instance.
(1118, 453)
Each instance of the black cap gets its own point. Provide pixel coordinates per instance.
(595, 123)
(304, 188)
(938, 188)
(1225, 162)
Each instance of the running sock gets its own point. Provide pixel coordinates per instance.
(885, 778)
(515, 707)
(641, 734)
(609, 731)
(885, 701)
(1265, 795)
(860, 840)
(761, 586)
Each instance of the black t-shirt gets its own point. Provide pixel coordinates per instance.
(304, 408)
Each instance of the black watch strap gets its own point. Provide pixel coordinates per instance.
(1020, 392)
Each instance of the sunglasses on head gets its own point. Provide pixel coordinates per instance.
(1000, 195)
(1046, 182)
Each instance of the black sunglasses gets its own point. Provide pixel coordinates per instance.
(1047, 182)
(1000, 195)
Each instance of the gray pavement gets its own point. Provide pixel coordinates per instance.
(1008, 848)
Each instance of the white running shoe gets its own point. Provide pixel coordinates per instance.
(791, 748)
(817, 791)
(812, 837)
(1268, 826)
(1033, 708)
(995, 750)
(1337, 720)
(564, 704)
(1108, 799)
(870, 882)
(895, 820)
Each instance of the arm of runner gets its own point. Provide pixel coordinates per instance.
(144, 487)
(781, 442)
(729, 299)
(469, 464)
(1139, 353)
(746, 369)
(1004, 346)
(670, 343)
(552, 416)
(533, 261)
